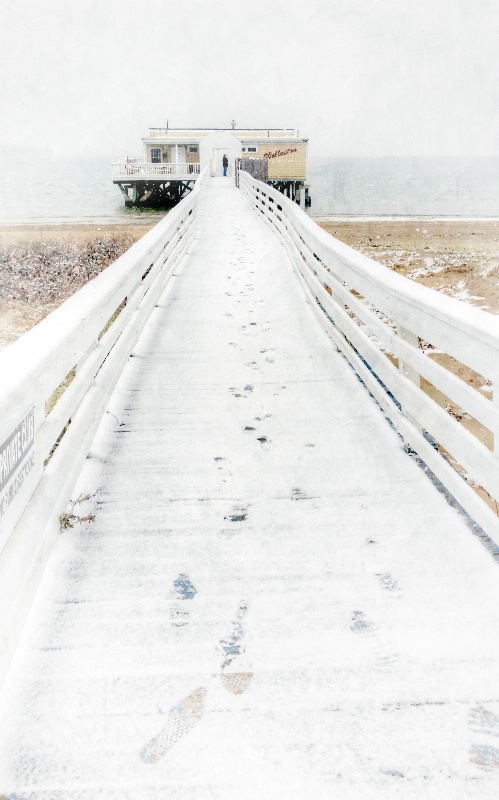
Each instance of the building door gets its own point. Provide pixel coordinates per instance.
(212, 149)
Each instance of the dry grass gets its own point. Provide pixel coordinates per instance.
(69, 519)
(36, 276)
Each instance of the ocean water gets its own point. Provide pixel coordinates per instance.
(447, 187)
(65, 190)
(58, 190)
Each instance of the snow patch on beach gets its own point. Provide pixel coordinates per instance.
(460, 292)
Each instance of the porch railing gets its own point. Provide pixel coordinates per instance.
(138, 170)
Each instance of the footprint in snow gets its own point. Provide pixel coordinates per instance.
(485, 723)
(235, 393)
(388, 583)
(228, 533)
(182, 593)
(236, 674)
(360, 624)
(181, 718)
(238, 516)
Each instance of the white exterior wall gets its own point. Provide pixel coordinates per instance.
(213, 147)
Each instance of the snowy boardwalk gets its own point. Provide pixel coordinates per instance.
(273, 601)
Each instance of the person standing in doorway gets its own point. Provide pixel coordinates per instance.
(225, 164)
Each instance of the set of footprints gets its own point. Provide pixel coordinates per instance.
(360, 622)
(238, 289)
(235, 672)
(236, 676)
(385, 658)
(373, 565)
(252, 326)
(245, 391)
(253, 429)
(483, 722)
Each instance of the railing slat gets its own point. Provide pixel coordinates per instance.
(369, 310)
(453, 387)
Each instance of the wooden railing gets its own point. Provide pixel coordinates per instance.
(55, 384)
(57, 379)
(387, 326)
(143, 170)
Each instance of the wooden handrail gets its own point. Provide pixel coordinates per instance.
(370, 313)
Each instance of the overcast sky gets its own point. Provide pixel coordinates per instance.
(358, 77)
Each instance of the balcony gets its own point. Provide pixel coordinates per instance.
(141, 170)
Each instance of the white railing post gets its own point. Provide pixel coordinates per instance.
(407, 370)
(495, 402)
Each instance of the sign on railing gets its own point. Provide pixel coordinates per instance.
(411, 346)
(17, 460)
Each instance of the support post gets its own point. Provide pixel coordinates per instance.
(407, 370)
(495, 401)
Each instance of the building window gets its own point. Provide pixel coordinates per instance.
(193, 148)
(250, 149)
(156, 155)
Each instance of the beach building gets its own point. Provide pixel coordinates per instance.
(173, 159)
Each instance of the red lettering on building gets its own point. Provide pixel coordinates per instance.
(281, 152)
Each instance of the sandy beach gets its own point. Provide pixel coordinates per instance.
(81, 232)
(457, 257)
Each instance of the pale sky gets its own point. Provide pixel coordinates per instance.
(358, 77)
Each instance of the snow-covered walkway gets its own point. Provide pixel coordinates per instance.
(273, 601)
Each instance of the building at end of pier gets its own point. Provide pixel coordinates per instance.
(173, 159)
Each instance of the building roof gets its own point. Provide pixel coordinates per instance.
(196, 134)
